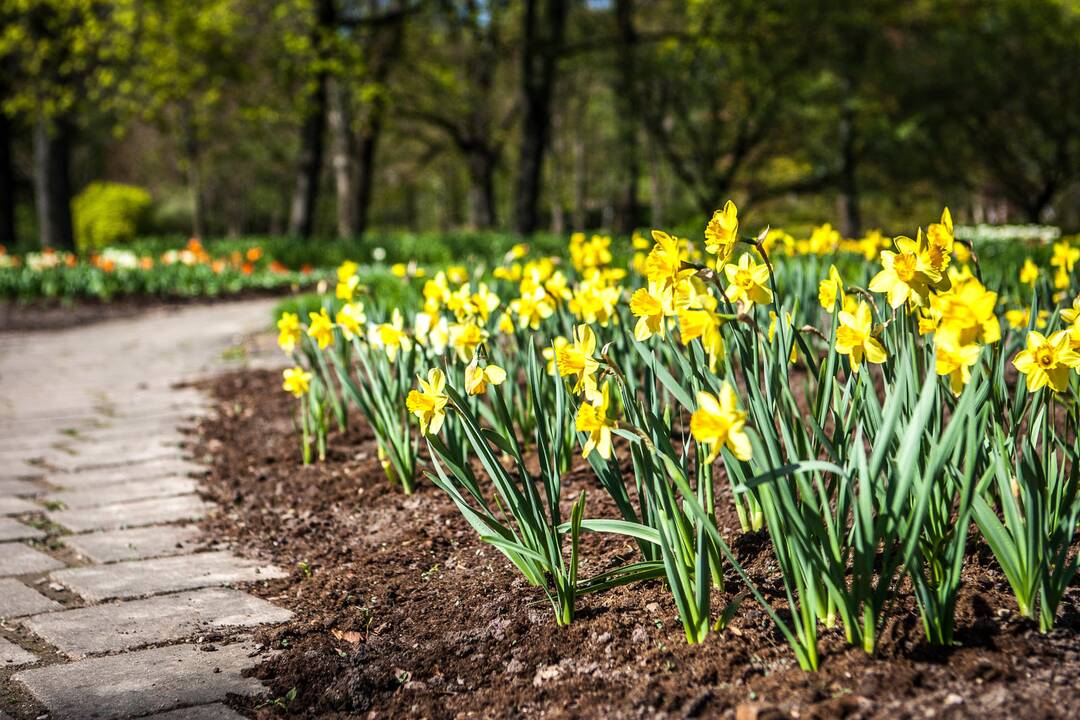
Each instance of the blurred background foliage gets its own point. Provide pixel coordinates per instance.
(391, 121)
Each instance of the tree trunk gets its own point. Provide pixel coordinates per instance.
(341, 157)
(656, 184)
(581, 174)
(850, 214)
(481, 163)
(7, 183)
(543, 40)
(365, 170)
(306, 192)
(626, 205)
(381, 64)
(194, 173)
(52, 183)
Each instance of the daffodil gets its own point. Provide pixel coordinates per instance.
(1070, 314)
(1047, 360)
(485, 301)
(321, 328)
(748, 282)
(391, 337)
(939, 242)
(1020, 318)
(830, 290)
(577, 359)
(703, 324)
(350, 318)
(551, 353)
(1029, 274)
(465, 338)
(346, 289)
(594, 419)
(652, 306)
(428, 403)
(296, 381)
(532, 308)
(968, 312)
(905, 275)
(289, 332)
(478, 378)
(854, 337)
(722, 233)
(718, 422)
(663, 266)
(955, 360)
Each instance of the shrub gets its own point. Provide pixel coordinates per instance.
(109, 214)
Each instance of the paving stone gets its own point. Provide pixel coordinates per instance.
(135, 543)
(19, 559)
(131, 514)
(100, 458)
(124, 492)
(11, 529)
(142, 682)
(10, 505)
(19, 487)
(125, 473)
(134, 623)
(147, 577)
(217, 711)
(11, 655)
(17, 600)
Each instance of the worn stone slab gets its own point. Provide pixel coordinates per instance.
(136, 623)
(19, 559)
(137, 578)
(10, 505)
(135, 543)
(19, 487)
(217, 711)
(142, 682)
(11, 529)
(131, 514)
(124, 492)
(17, 600)
(125, 473)
(81, 458)
(11, 655)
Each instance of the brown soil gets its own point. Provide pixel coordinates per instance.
(402, 612)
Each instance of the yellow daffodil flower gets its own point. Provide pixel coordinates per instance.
(722, 233)
(551, 353)
(289, 332)
(428, 403)
(905, 275)
(793, 355)
(465, 338)
(663, 266)
(718, 422)
(830, 290)
(577, 359)
(350, 318)
(854, 337)
(955, 360)
(703, 324)
(1029, 274)
(391, 337)
(748, 282)
(296, 381)
(594, 419)
(1020, 318)
(532, 308)
(478, 378)
(1047, 360)
(321, 328)
(939, 242)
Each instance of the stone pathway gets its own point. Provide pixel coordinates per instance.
(110, 604)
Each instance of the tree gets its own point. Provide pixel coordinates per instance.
(543, 33)
(459, 96)
(59, 59)
(1010, 105)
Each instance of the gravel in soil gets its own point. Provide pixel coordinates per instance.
(402, 612)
